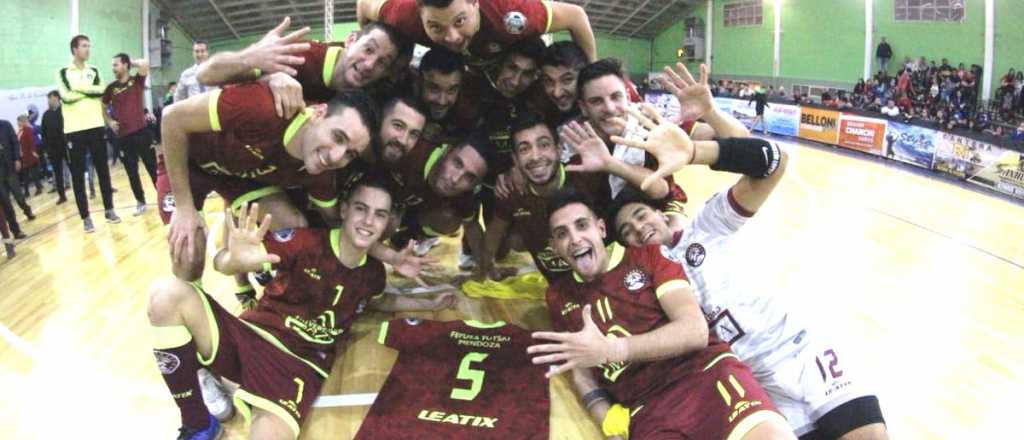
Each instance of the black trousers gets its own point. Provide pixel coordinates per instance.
(135, 146)
(58, 155)
(9, 186)
(90, 140)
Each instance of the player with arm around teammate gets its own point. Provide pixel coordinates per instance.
(798, 368)
(280, 352)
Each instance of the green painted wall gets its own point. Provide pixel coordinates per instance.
(1009, 44)
(338, 33)
(112, 26)
(960, 42)
(806, 54)
(745, 50)
(35, 43)
(669, 41)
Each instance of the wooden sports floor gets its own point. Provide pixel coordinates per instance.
(920, 280)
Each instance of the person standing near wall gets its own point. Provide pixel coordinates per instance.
(10, 161)
(884, 54)
(55, 144)
(188, 84)
(80, 90)
(126, 119)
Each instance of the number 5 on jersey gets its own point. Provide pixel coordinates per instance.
(467, 372)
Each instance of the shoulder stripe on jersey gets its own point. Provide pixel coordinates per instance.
(329, 61)
(211, 106)
(718, 358)
(297, 121)
(547, 6)
(252, 196)
(670, 286)
(383, 335)
(478, 324)
(336, 246)
(324, 203)
(432, 160)
(64, 78)
(749, 422)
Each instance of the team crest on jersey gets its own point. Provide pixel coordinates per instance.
(412, 321)
(167, 362)
(515, 22)
(167, 204)
(284, 235)
(361, 307)
(695, 254)
(494, 48)
(635, 279)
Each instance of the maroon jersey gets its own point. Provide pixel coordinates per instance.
(126, 98)
(459, 380)
(624, 302)
(502, 24)
(528, 216)
(411, 188)
(317, 71)
(248, 141)
(313, 298)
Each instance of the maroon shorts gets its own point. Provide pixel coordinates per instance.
(270, 377)
(232, 189)
(722, 401)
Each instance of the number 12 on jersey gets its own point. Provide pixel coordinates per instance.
(467, 372)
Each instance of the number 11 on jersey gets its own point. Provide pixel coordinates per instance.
(467, 372)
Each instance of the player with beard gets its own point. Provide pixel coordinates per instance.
(644, 364)
(786, 356)
(483, 30)
(280, 353)
(559, 69)
(439, 87)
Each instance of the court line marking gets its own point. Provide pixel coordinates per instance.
(336, 400)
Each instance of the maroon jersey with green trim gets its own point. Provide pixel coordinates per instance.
(313, 298)
(624, 302)
(502, 24)
(411, 188)
(527, 214)
(317, 71)
(247, 141)
(459, 380)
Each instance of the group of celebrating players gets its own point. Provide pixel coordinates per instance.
(355, 159)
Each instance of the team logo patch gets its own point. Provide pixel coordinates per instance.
(695, 254)
(284, 235)
(167, 205)
(168, 362)
(494, 48)
(412, 321)
(515, 22)
(635, 280)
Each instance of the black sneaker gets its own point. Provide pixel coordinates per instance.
(9, 247)
(89, 228)
(20, 235)
(112, 217)
(62, 200)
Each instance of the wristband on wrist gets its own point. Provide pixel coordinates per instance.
(595, 396)
(748, 156)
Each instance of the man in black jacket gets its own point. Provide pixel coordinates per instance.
(55, 143)
(884, 54)
(10, 160)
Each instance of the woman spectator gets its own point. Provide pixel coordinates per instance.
(905, 104)
(903, 84)
(29, 171)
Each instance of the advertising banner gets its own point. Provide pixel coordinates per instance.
(911, 144)
(819, 125)
(1005, 175)
(783, 119)
(14, 102)
(963, 157)
(665, 102)
(864, 134)
(738, 108)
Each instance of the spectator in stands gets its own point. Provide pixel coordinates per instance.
(884, 53)
(858, 89)
(1018, 135)
(781, 93)
(905, 104)
(28, 173)
(903, 83)
(890, 109)
(1007, 80)
(909, 64)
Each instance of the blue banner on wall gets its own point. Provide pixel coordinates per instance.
(911, 144)
(783, 119)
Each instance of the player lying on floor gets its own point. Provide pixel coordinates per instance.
(281, 352)
(785, 355)
(629, 329)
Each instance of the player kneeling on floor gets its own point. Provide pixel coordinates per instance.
(280, 352)
(629, 318)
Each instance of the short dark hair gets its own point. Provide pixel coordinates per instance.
(372, 179)
(125, 59)
(532, 48)
(599, 69)
(200, 41)
(359, 101)
(564, 54)
(433, 3)
(402, 44)
(53, 94)
(527, 120)
(441, 60)
(481, 143)
(628, 195)
(76, 40)
(413, 103)
(567, 196)
(172, 84)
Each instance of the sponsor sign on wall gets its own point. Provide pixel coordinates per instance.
(864, 134)
(819, 125)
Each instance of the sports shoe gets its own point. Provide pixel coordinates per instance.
(112, 217)
(89, 228)
(18, 235)
(30, 216)
(62, 200)
(216, 398)
(466, 262)
(139, 209)
(212, 431)
(425, 245)
(9, 247)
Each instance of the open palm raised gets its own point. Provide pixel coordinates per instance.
(666, 141)
(245, 250)
(694, 97)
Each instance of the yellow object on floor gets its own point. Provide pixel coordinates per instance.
(529, 285)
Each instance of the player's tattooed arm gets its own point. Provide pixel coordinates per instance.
(572, 18)
(275, 52)
(407, 303)
(243, 251)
